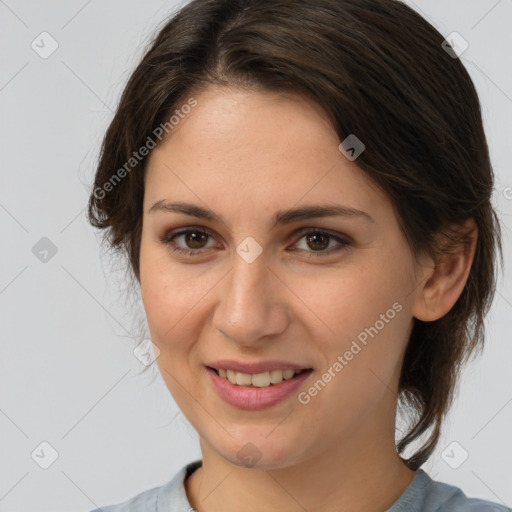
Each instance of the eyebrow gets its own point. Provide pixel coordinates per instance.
(280, 218)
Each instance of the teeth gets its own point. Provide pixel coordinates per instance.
(259, 380)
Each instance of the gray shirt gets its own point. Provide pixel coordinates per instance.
(422, 495)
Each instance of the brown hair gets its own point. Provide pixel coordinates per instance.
(379, 71)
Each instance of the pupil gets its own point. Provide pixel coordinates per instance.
(314, 238)
(193, 238)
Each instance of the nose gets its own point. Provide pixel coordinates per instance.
(252, 302)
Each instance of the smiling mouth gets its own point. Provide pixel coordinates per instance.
(258, 380)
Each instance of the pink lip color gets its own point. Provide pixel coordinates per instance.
(253, 398)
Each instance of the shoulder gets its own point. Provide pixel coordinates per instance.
(443, 497)
(168, 497)
(146, 501)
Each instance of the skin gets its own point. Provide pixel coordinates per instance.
(246, 155)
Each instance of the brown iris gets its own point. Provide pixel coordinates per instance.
(194, 237)
(314, 239)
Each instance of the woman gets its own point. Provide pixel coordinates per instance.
(303, 191)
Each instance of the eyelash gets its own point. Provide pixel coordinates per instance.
(167, 239)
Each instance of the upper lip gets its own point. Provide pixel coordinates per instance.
(255, 366)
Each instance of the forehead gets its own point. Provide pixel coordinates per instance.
(263, 147)
(229, 121)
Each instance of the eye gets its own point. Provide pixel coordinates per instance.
(196, 238)
(193, 237)
(318, 240)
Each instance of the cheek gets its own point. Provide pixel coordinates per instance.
(364, 320)
(361, 360)
(168, 306)
(175, 299)
(164, 293)
(346, 301)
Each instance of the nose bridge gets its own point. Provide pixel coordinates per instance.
(249, 277)
(249, 306)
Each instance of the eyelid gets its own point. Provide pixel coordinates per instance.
(342, 239)
(184, 230)
(333, 234)
(167, 237)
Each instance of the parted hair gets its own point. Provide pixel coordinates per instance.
(379, 71)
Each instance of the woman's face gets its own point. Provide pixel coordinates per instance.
(339, 300)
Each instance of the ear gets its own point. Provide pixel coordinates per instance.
(445, 279)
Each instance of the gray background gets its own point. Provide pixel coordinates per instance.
(68, 375)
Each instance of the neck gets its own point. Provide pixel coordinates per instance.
(363, 473)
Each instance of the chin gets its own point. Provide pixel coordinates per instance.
(259, 452)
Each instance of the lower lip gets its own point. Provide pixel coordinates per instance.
(254, 398)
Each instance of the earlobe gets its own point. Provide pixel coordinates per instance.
(444, 283)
